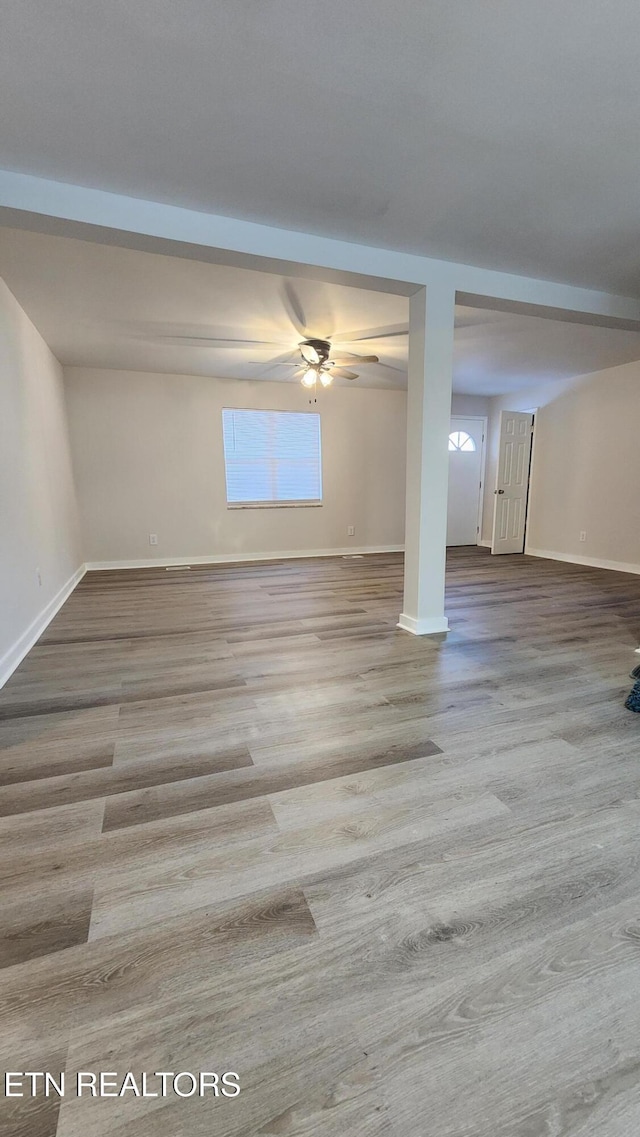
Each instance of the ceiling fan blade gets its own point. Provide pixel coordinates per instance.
(215, 342)
(342, 373)
(351, 357)
(372, 334)
(294, 308)
(308, 307)
(392, 367)
(287, 357)
(309, 353)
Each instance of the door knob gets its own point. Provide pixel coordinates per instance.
(498, 491)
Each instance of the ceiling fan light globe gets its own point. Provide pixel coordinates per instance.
(326, 379)
(308, 379)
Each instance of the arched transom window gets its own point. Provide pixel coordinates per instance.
(460, 440)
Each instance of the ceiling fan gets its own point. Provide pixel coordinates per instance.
(314, 359)
(317, 364)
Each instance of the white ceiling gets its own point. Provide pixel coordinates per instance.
(105, 306)
(500, 133)
(109, 307)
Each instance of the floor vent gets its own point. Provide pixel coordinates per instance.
(176, 568)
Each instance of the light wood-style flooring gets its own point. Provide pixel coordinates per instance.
(246, 824)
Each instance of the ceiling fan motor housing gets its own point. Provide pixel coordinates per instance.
(322, 347)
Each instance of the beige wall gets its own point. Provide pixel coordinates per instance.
(585, 466)
(148, 458)
(470, 405)
(38, 514)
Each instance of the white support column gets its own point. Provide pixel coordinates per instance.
(431, 321)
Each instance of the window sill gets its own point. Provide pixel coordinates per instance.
(274, 504)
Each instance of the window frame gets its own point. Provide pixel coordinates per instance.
(295, 503)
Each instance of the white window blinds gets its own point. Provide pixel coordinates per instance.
(272, 456)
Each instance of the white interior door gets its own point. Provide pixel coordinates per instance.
(512, 482)
(465, 475)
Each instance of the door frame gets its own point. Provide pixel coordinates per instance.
(527, 517)
(484, 420)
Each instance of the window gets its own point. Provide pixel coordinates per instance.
(272, 457)
(460, 440)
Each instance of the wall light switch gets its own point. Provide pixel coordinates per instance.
(153, 538)
(351, 531)
(583, 534)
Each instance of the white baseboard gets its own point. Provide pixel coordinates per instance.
(236, 558)
(16, 653)
(429, 627)
(588, 562)
(485, 544)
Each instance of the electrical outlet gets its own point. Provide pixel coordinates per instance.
(351, 531)
(153, 538)
(583, 534)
